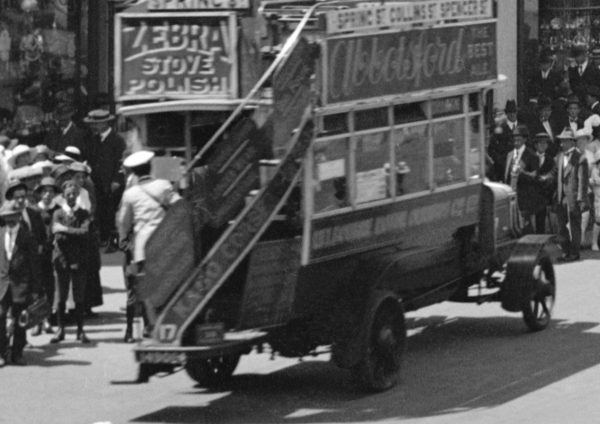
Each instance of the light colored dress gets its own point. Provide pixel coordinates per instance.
(595, 185)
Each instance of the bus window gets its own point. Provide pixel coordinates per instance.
(449, 152)
(329, 175)
(447, 106)
(474, 104)
(411, 150)
(475, 169)
(411, 112)
(372, 155)
(371, 118)
(335, 124)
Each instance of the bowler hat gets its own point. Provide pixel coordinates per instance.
(13, 186)
(65, 111)
(510, 107)
(578, 50)
(544, 102)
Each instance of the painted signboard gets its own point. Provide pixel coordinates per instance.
(372, 65)
(176, 56)
(291, 92)
(374, 15)
(410, 221)
(270, 283)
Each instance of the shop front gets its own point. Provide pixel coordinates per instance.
(41, 46)
(555, 27)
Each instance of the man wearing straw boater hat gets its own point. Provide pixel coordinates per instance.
(105, 152)
(571, 194)
(18, 283)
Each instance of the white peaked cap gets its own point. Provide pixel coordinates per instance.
(138, 158)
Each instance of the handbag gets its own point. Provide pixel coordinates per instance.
(35, 313)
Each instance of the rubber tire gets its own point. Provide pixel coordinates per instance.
(212, 372)
(531, 316)
(379, 368)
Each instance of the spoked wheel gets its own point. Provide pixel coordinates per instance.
(213, 371)
(537, 308)
(380, 366)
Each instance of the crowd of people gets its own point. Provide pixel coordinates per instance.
(60, 200)
(548, 150)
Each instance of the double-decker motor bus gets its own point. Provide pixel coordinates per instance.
(345, 187)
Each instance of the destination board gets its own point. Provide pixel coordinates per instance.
(176, 56)
(161, 5)
(374, 15)
(366, 66)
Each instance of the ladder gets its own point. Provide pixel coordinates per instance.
(244, 232)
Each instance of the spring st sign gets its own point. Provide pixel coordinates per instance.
(176, 56)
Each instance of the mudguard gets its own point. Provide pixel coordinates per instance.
(518, 283)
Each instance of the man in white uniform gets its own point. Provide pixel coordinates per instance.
(142, 209)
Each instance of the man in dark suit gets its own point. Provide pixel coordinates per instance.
(68, 132)
(18, 285)
(571, 174)
(520, 174)
(584, 74)
(501, 141)
(105, 156)
(544, 82)
(549, 123)
(575, 115)
(544, 182)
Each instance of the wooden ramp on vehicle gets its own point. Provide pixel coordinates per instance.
(237, 241)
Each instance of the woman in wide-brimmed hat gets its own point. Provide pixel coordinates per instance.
(20, 156)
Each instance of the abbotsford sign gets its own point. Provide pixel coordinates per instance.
(379, 64)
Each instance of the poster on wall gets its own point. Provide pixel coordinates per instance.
(176, 56)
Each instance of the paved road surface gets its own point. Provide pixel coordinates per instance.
(465, 364)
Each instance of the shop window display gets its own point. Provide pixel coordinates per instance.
(37, 65)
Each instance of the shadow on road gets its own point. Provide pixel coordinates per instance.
(451, 366)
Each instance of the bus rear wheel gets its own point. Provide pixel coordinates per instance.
(212, 372)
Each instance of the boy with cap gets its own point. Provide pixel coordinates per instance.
(70, 226)
(18, 283)
(142, 209)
